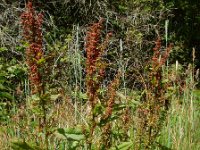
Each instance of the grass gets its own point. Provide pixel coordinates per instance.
(180, 130)
(86, 113)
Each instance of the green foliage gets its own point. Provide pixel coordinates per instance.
(72, 134)
(58, 117)
(123, 146)
(24, 146)
(73, 137)
(10, 75)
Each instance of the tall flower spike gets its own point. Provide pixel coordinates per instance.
(95, 69)
(157, 59)
(93, 54)
(32, 32)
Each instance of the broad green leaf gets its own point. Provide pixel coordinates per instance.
(83, 96)
(163, 147)
(165, 81)
(35, 97)
(76, 130)
(6, 95)
(118, 107)
(125, 145)
(197, 93)
(3, 49)
(73, 136)
(21, 146)
(76, 137)
(61, 131)
(98, 109)
(2, 87)
(24, 146)
(12, 69)
(65, 59)
(41, 61)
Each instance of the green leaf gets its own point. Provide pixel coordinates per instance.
(6, 95)
(35, 97)
(3, 49)
(24, 146)
(2, 87)
(41, 61)
(83, 96)
(163, 147)
(118, 107)
(12, 69)
(72, 136)
(98, 109)
(61, 131)
(76, 130)
(21, 146)
(165, 81)
(123, 146)
(122, 8)
(197, 93)
(76, 137)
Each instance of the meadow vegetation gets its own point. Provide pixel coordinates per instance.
(97, 75)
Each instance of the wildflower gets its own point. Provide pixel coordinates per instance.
(32, 32)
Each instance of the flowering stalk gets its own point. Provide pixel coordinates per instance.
(93, 54)
(111, 94)
(151, 113)
(32, 32)
(95, 69)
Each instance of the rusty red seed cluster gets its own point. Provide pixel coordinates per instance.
(32, 32)
(112, 88)
(156, 54)
(166, 54)
(93, 55)
(157, 59)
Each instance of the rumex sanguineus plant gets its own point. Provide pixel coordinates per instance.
(95, 71)
(106, 136)
(32, 32)
(153, 110)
